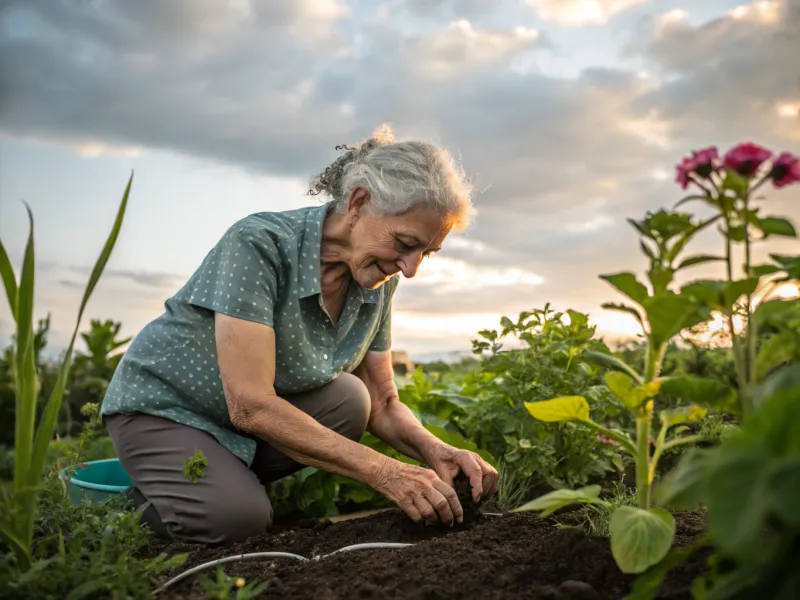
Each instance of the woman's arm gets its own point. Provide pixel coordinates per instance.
(394, 423)
(246, 353)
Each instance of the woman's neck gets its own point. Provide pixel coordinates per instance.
(335, 252)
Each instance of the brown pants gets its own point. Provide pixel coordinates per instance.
(229, 503)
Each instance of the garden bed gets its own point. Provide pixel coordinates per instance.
(509, 556)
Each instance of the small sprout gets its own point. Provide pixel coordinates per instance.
(194, 466)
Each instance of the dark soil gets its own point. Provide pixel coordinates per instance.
(486, 557)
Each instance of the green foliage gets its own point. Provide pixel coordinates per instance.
(749, 485)
(195, 466)
(31, 442)
(641, 536)
(550, 362)
(87, 550)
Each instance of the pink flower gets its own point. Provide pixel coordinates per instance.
(706, 161)
(785, 170)
(703, 162)
(746, 158)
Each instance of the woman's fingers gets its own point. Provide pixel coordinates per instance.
(412, 511)
(452, 498)
(440, 503)
(468, 462)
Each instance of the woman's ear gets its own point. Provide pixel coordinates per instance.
(356, 204)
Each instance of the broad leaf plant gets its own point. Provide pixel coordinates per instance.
(642, 535)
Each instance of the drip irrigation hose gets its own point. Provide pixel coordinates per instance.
(226, 559)
(364, 547)
(255, 555)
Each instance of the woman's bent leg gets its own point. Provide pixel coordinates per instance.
(227, 504)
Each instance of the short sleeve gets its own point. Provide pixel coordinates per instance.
(383, 337)
(240, 276)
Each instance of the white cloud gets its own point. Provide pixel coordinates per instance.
(459, 46)
(580, 12)
(767, 12)
(448, 274)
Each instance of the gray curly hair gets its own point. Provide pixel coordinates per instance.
(400, 176)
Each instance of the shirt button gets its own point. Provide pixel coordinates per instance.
(324, 357)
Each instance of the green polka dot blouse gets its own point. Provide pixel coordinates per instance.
(265, 268)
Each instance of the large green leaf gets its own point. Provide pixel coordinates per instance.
(646, 585)
(628, 285)
(609, 361)
(684, 488)
(783, 489)
(668, 314)
(774, 226)
(549, 503)
(775, 351)
(701, 390)
(565, 408)
(632, 394)
(737, 505)
(640, 538)
(718, 294)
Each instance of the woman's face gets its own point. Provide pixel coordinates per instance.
(383, 246)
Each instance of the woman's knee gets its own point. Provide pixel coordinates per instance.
(354, 404)
(227, 520)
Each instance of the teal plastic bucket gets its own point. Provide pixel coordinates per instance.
(96, 481)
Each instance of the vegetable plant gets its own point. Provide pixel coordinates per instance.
(749, 485)
(31, 442)
(642, 535)
(549, 359)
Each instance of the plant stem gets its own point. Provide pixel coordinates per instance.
(662, 436)
(750, 338)
(655, 355)
(689, 439)
(643, 457)
(737, 357)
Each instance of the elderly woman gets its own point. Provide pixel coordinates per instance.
(276, 354)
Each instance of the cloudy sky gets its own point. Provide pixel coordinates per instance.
(568, 116)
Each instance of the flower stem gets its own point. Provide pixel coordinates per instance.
(750, 338)
(735, 349)
(643, 456)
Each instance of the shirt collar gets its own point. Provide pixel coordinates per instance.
(309, 261)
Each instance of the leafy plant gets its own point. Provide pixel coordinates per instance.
(549, 361)
(641, 536)
(195, 466)
(749, 485)
(728, 186)
(30, 451)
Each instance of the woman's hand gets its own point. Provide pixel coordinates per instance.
(448, 461)
(420, 492)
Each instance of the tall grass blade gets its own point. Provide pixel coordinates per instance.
(9, 280)
(25, 375)
(45, 431)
